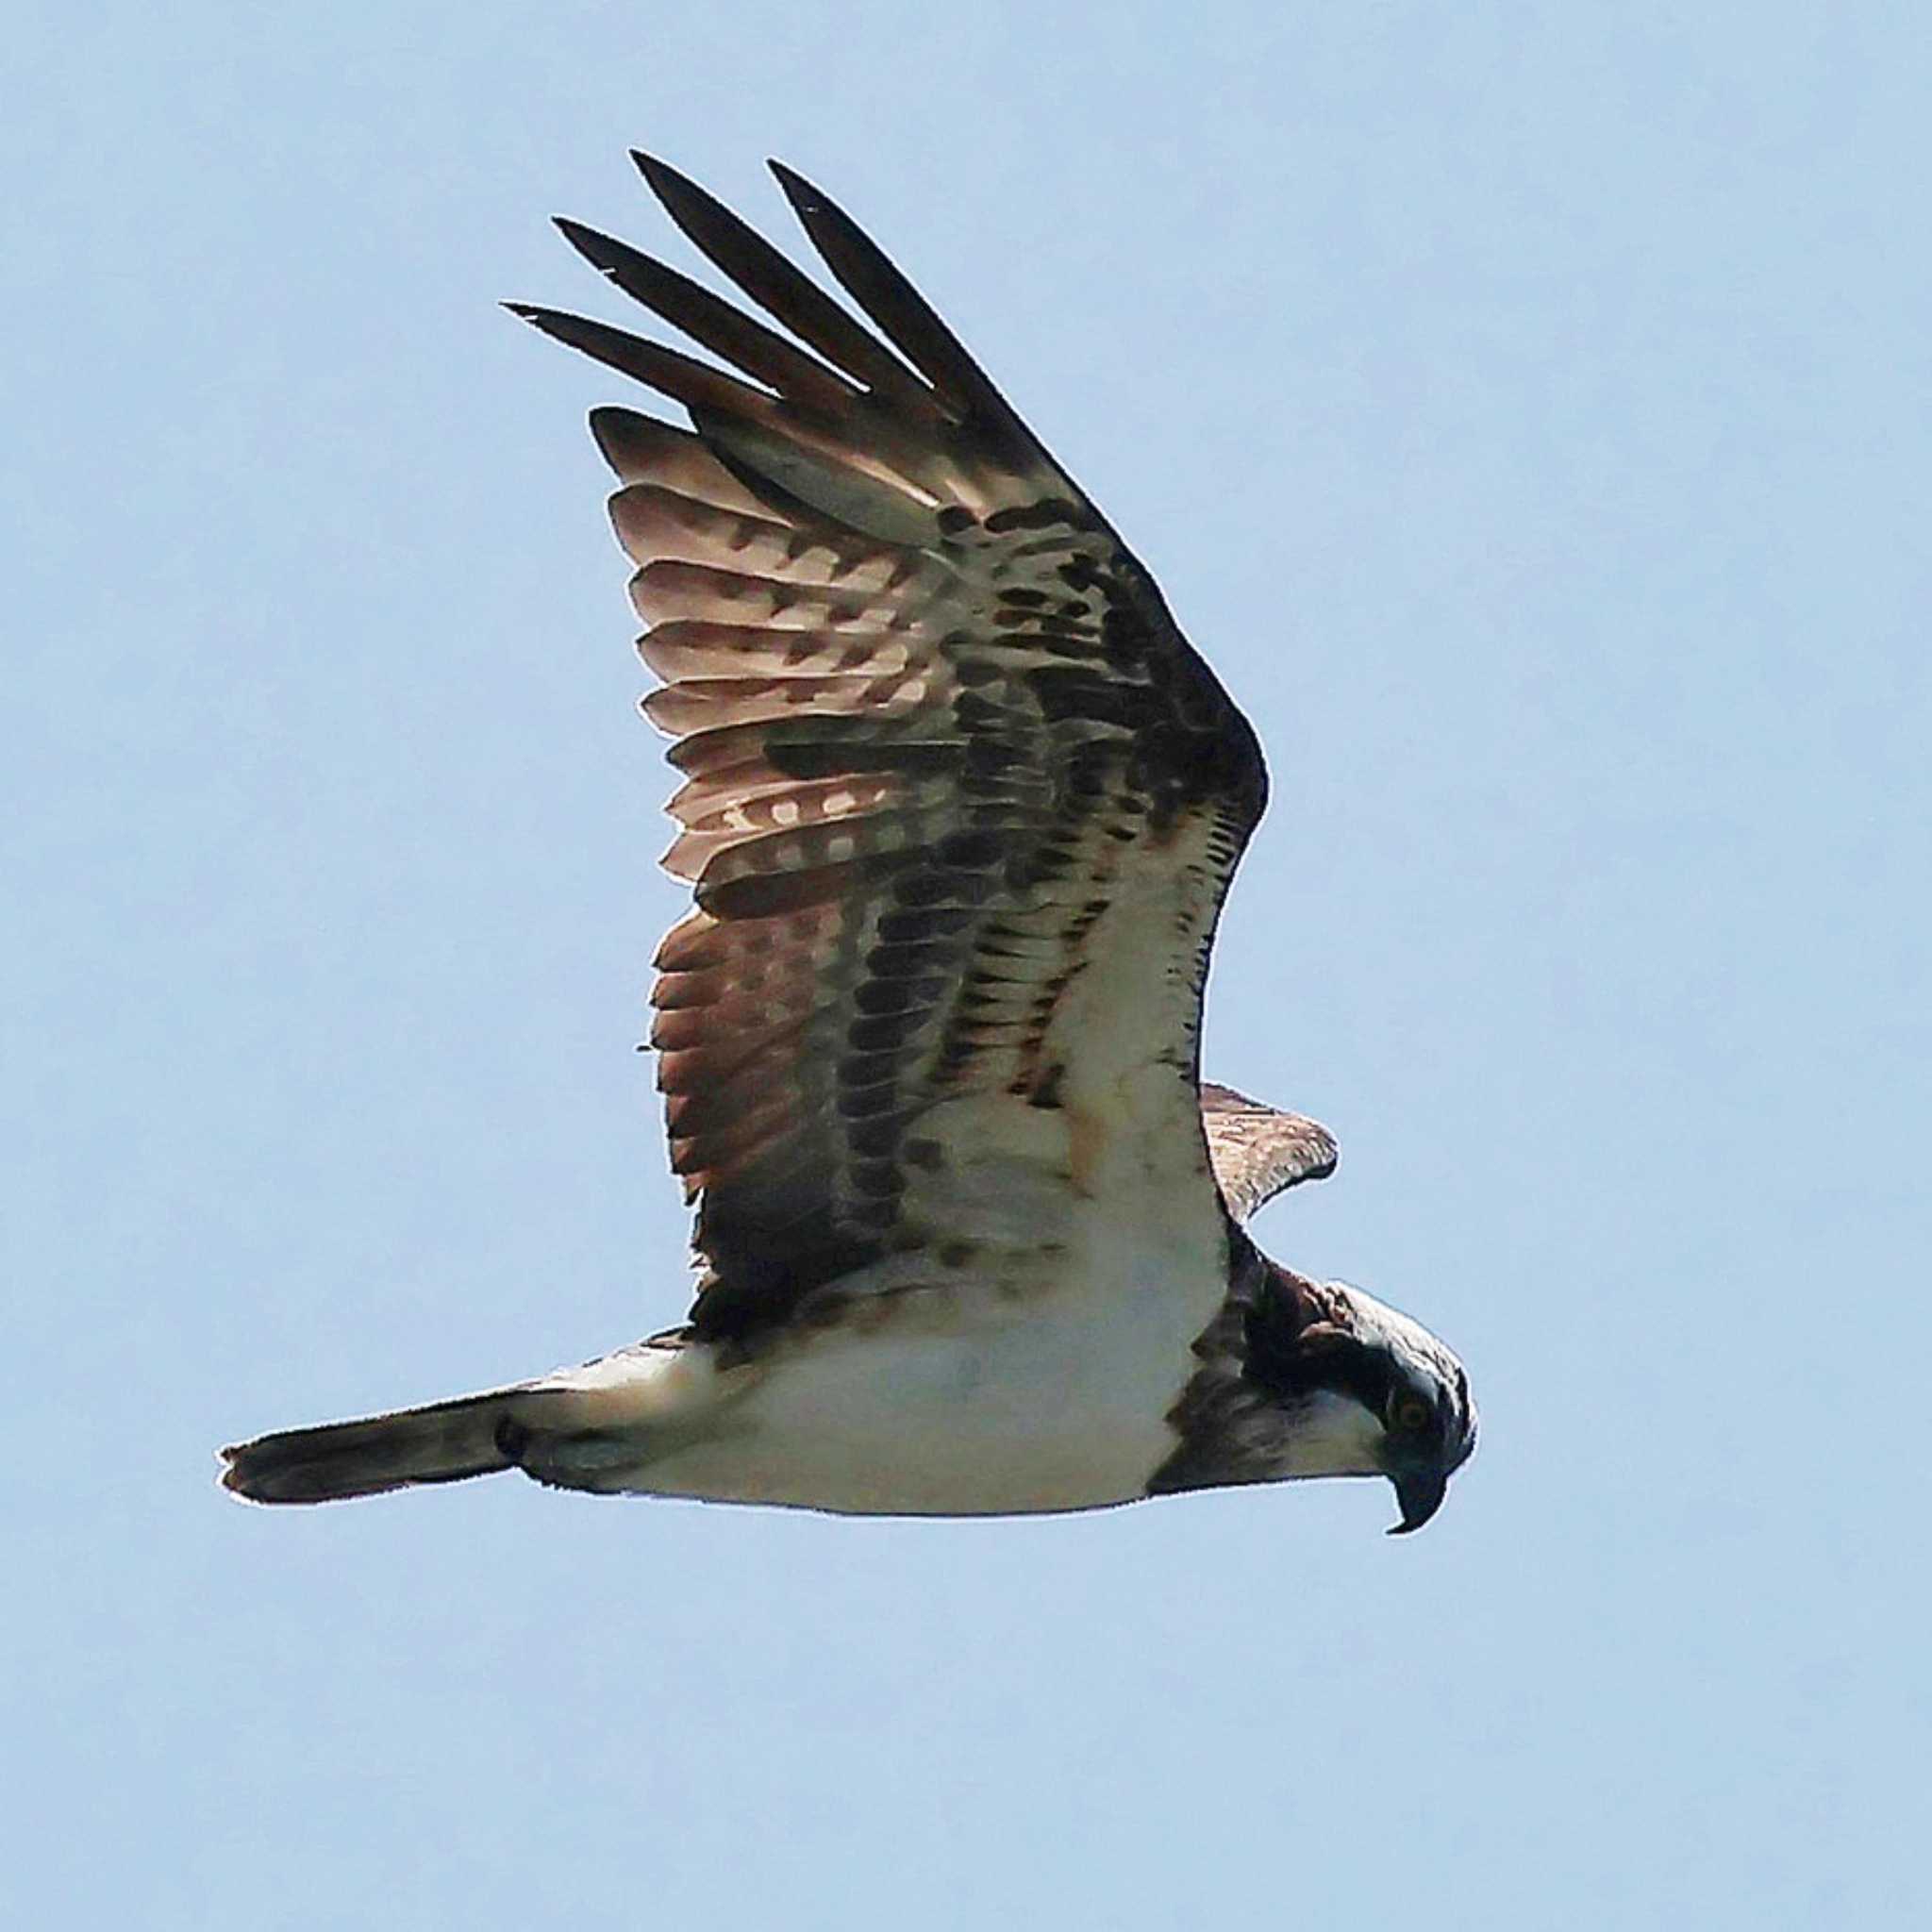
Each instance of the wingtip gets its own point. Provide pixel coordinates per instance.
(554, 323)
(671, 186)
(600, 250)
(797, 190)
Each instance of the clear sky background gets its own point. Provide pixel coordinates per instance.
(1527, 411)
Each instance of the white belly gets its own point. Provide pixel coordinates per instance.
(1035, 1382)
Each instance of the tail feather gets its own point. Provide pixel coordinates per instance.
(474, 1435)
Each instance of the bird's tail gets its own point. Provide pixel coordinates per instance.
(474, 1435)
(590, 1427)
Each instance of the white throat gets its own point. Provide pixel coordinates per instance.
(1333, 1435)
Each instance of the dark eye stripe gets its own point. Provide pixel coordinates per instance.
(1347, 1368)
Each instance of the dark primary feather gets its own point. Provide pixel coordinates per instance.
(728, 332)
(935, 725)
(878, 288)
(778, 287)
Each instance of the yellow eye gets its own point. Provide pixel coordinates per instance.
(1410, 1412)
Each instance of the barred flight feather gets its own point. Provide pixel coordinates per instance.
(944, 753)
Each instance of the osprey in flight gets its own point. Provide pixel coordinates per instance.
(959, 808)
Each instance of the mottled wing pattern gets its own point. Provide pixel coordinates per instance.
(1258, 1150)
(959, 803)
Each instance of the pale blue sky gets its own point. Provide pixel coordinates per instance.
(1526, 410)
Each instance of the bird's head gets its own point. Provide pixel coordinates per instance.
(1370, 1392)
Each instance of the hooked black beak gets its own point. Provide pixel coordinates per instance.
(1418, 1497)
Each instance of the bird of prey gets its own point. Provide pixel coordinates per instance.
(959, 808)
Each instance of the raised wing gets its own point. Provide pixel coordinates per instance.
(960, 804)
(1258, 1150)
